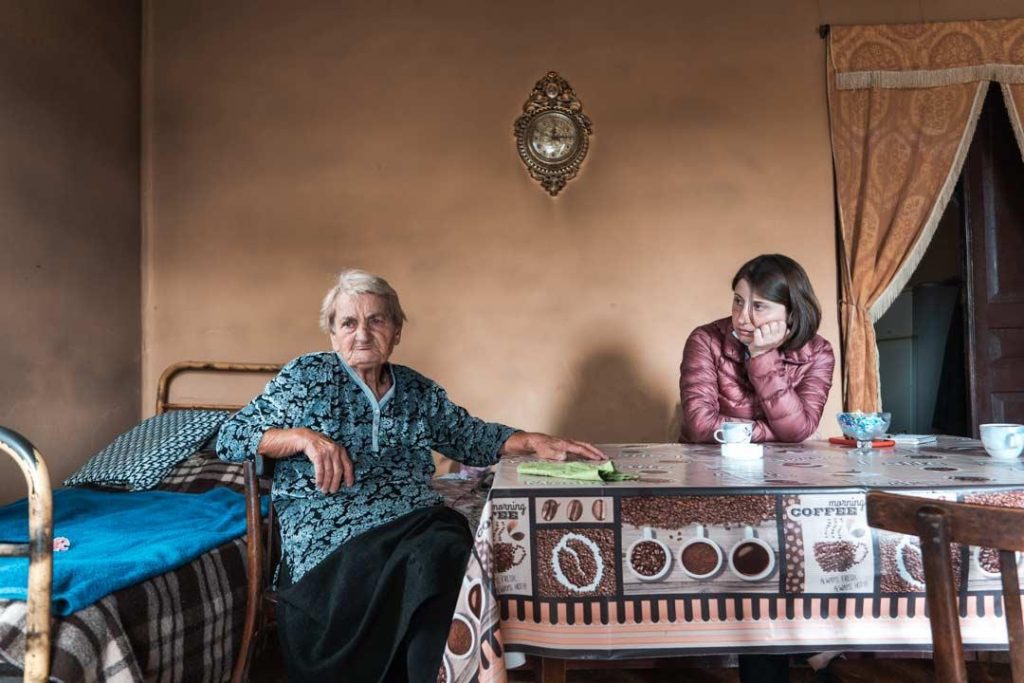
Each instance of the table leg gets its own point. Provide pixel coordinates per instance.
(551, 670)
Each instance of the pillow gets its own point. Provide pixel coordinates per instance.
(141, 457)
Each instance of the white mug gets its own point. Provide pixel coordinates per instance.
(734, 432)
(1003, 441)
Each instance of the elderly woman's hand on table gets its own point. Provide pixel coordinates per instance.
(332, 465)
(549, 447)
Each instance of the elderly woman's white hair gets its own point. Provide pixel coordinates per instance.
(354, 281)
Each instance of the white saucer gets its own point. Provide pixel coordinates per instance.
(742, 451)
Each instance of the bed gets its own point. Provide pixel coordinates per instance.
(181, 625)
(184, 624)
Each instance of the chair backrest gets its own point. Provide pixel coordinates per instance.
(38, 550)
(938, 523)
(263, 552)
(262, 534)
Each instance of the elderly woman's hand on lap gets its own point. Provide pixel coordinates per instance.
(330, 459)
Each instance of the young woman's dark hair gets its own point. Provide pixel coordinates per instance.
(780, 279)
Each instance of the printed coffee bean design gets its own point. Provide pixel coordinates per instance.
(575, 510)
(892, 579)
(1008, 499)
(507, 555)
(670, 512)
(648, 558)
(988, 558)
(700, 558)
(839, 556)
(913, 563)
(460, 638)
(578, 565)
(597, 509)
(794, 544)
(838, 553)
(549, 509)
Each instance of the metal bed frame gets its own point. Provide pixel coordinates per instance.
(38, 550)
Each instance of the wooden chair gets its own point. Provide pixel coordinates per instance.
(263, 539)
(937, 524)
(39, 551)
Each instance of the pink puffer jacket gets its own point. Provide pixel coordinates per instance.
(782, 393)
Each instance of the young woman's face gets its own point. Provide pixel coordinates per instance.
(750, 310)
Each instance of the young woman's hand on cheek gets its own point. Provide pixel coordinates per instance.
(768, 336)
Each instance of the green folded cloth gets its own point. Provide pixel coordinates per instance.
(575, 470)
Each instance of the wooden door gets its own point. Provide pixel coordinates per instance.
(994, 211)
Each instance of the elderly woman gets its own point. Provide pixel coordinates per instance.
(372, 561)
(765, 364)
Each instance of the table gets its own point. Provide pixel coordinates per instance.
(704, 555)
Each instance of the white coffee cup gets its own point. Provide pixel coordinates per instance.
(734, 432)
(1003, 441)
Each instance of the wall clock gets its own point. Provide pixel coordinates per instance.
(553, 133)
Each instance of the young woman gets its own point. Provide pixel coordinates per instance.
(766, 364)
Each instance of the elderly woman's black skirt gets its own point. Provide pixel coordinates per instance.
(379, 607)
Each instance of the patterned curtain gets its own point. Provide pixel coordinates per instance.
(903, 104)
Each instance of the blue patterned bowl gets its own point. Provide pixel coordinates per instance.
(864, 426)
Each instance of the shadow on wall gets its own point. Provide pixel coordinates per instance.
(613, 404)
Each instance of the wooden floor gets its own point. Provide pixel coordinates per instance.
(268, 669)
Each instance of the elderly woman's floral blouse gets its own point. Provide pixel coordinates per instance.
(389, 442)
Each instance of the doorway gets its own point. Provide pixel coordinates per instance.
(951, 347)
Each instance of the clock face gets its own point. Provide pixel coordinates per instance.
(552, 136)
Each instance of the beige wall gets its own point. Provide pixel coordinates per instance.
(70, 334)
(286, 140)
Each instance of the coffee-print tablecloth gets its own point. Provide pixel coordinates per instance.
(705, 555)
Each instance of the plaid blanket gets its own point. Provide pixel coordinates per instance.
(202, 472)
(181, 626)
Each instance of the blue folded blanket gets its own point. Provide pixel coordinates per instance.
(118, 539)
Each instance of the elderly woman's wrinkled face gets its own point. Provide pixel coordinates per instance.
(364, 333)
(750, 310)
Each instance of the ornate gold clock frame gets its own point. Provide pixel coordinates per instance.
(552, 134)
